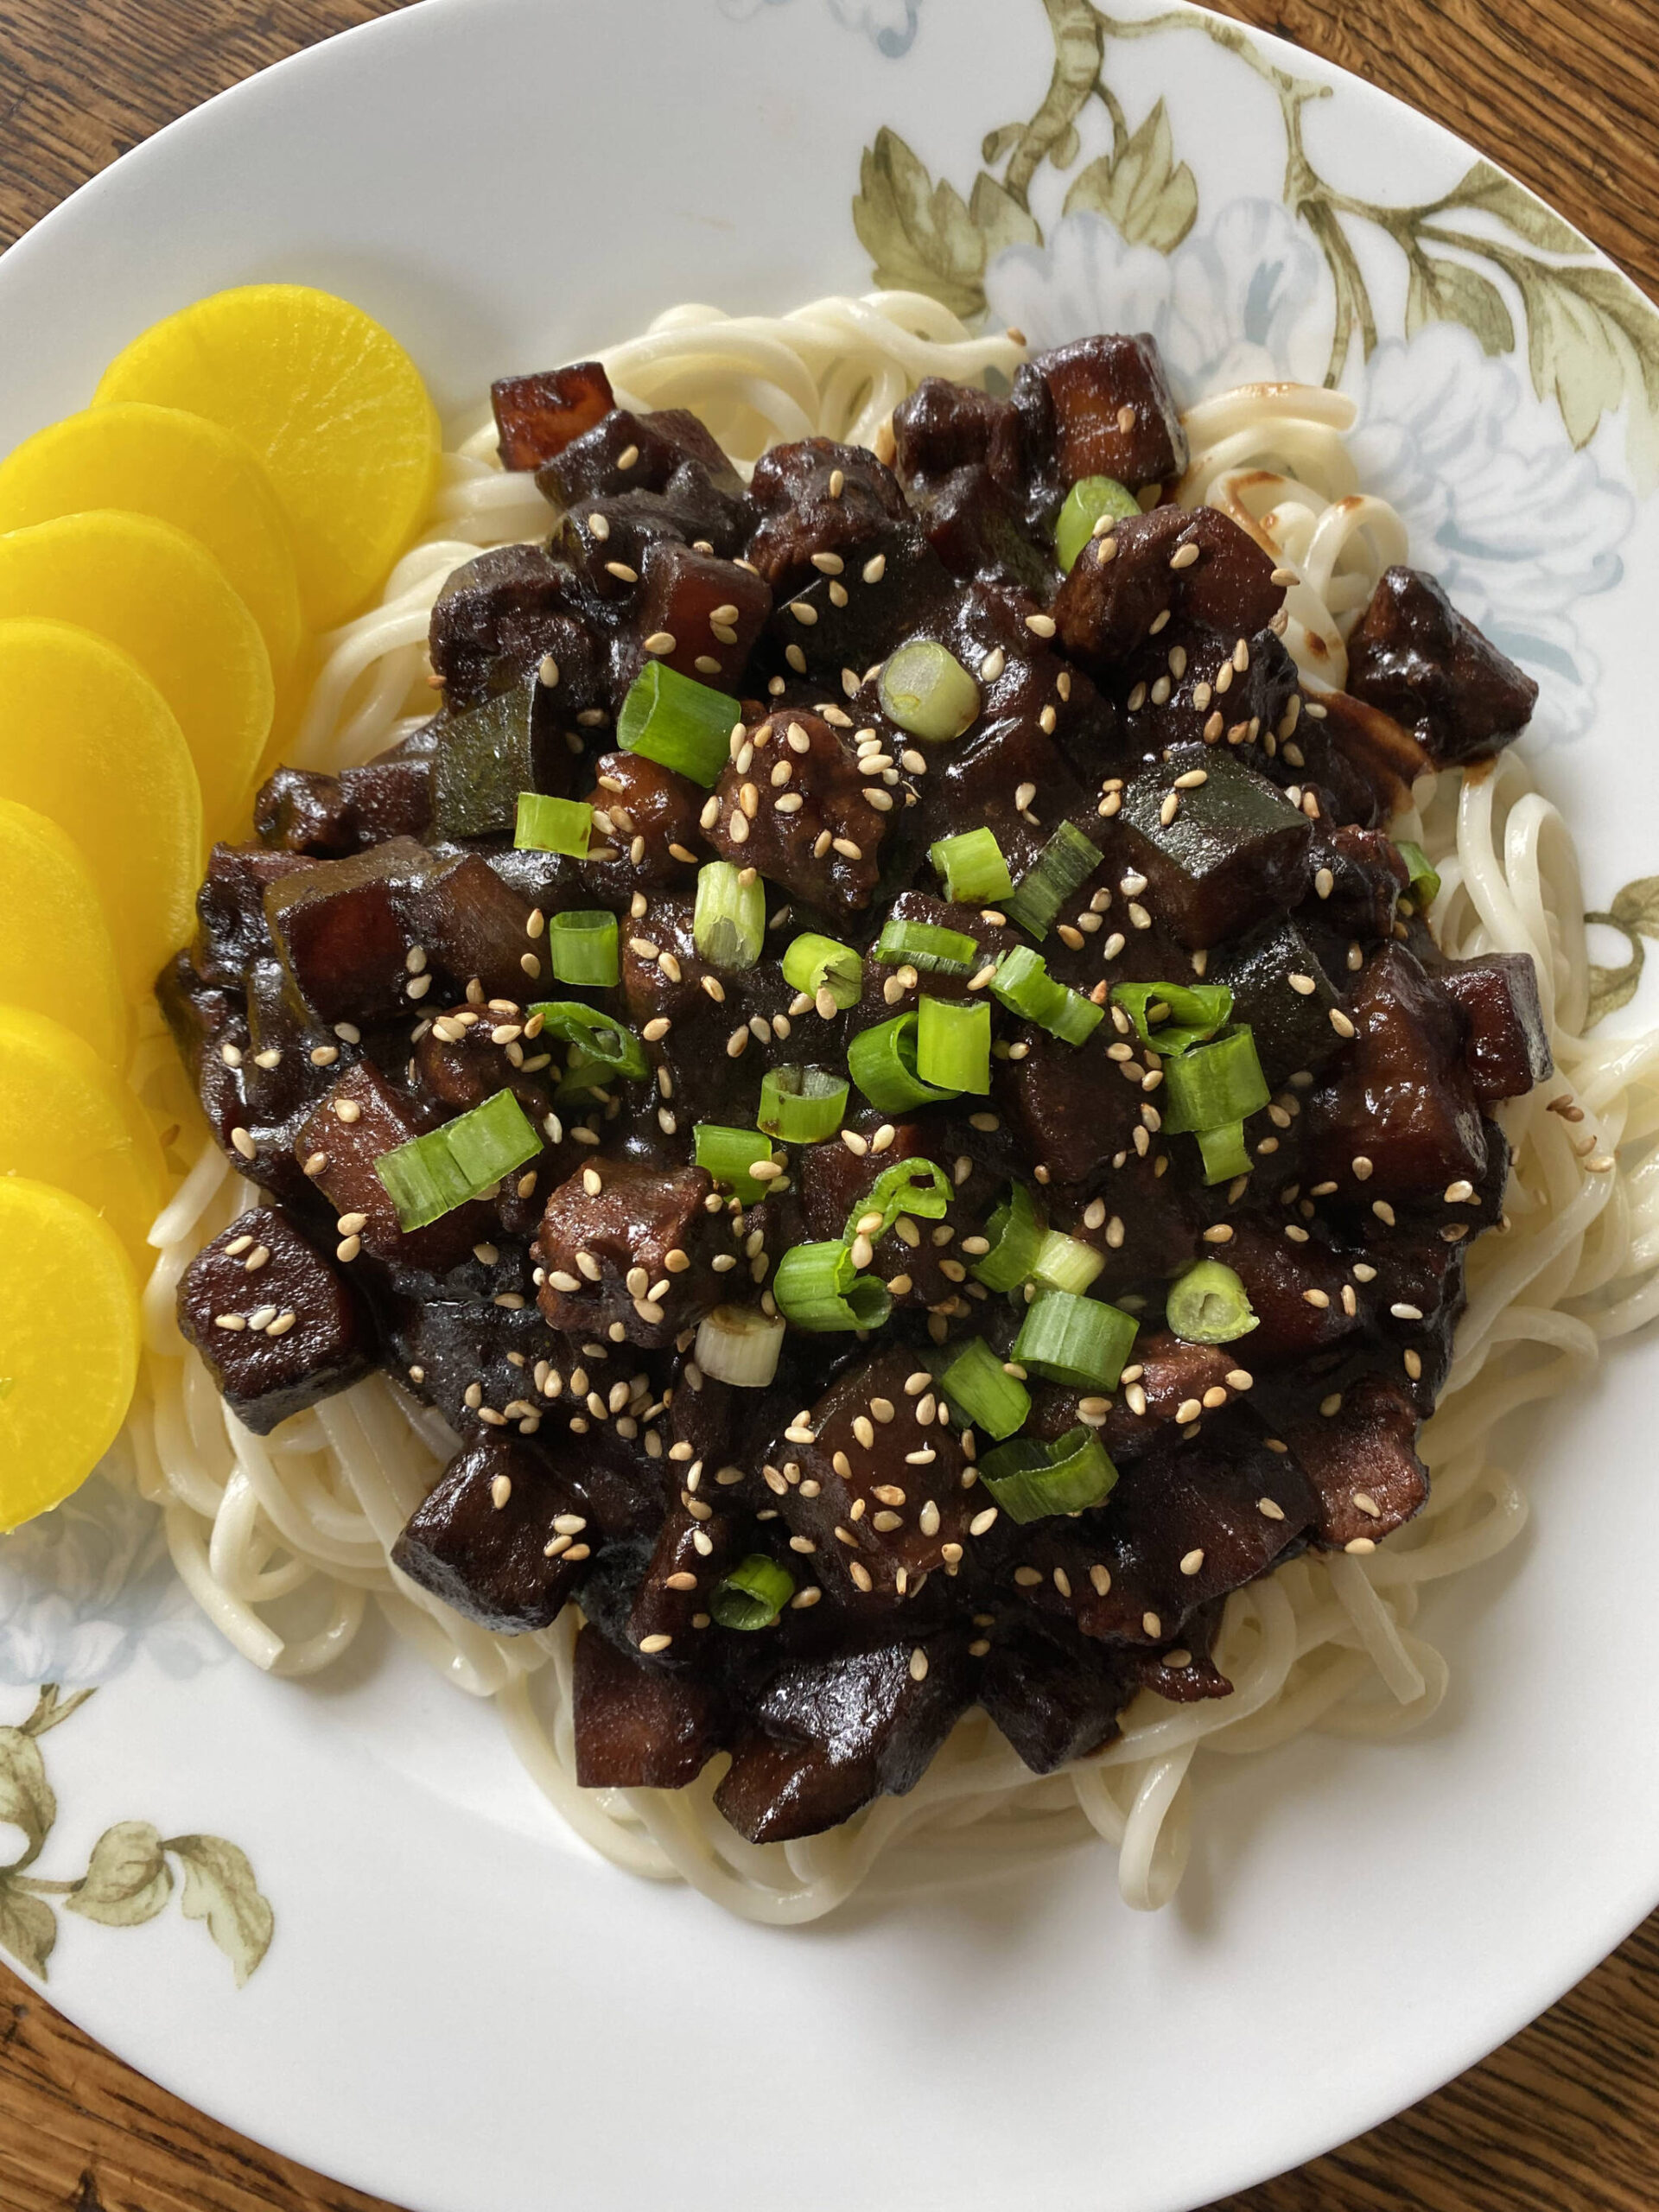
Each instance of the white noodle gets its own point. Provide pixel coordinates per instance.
(1325, 1642)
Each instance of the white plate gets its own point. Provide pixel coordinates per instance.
(461, 2008)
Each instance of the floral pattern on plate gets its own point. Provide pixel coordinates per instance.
(129, 1876)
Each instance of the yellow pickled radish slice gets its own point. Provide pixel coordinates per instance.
(164, 599)
(86, 740)
(68, 1345)
(66, 1120)
(331, 404)
(55, 951)
(182, 469)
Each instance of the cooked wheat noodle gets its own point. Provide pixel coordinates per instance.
(309, 1514)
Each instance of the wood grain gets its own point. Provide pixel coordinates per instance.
(1566, 2118)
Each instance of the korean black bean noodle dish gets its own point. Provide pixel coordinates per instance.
(898, 1003)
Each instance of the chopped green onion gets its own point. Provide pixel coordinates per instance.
(601, 1040)
(1425, 881)
(817, 1287)
(926, 691)
(582, 948)
(802, 1105)
(754, 1595)
(882, 1063)
(813, 963)
(1023, 984)
(728, 1154)
(953, 1043)
(1032, 1481)
(1016, 1232)
(1191, 1013)
(681, 723)
(1090, 498)
(729, 926)
(982, 1395)
(739, 1344)
(971, 867)
(1209, 1305)
(1066, 862)
(1223, 1153)
(1210, 1085)
(1065, 1262)
(1082, 1341)
(553, 825)
(921, 944)
(912, 1187)
(431, 1175)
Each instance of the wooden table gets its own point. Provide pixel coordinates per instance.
(1565, 2119)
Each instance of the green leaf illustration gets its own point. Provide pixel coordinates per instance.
(219, 1888)
(29, 1928)
(25, 1798)
(920, 234)
(1149, 198)
(1636, 908)
(999, 218)
(129, 1881)
(1448, 292)
(1489, 189)
(1634, 911)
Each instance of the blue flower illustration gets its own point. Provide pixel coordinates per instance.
(84, 1587)
(890, 25)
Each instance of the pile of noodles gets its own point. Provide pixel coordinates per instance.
(283, 1539)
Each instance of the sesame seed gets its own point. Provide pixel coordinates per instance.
(1318, 1298)
(244, 1143)
(1184, 556)
(1341, 1023)
(1192, 1562)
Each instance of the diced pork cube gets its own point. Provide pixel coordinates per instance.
(278, 1325)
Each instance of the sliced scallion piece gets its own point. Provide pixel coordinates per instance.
(1209, 1305)
(1033, 1482)
(681, 723)
(728, 1154)
(802, 1105)
(914, 1186)
(601, 1041)
(1023, 984)
(1213, 1085)
(431, 1175)
(817, 1287)
(1065, 1262)
(1066, 862)
(1171, 1017)
(981, 1393)
(1424, 882)
(729, 926)
(972, 869)
(1090, 498)
(926, 691)
(1016, 1232)
(1223, 1152)
(924, 945)
(739, 1344)
(953, 1043)
(583, 949)
(553, 825)
(754, 1595)
(1082, 1341)
(815, 964)
(882, 1063)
